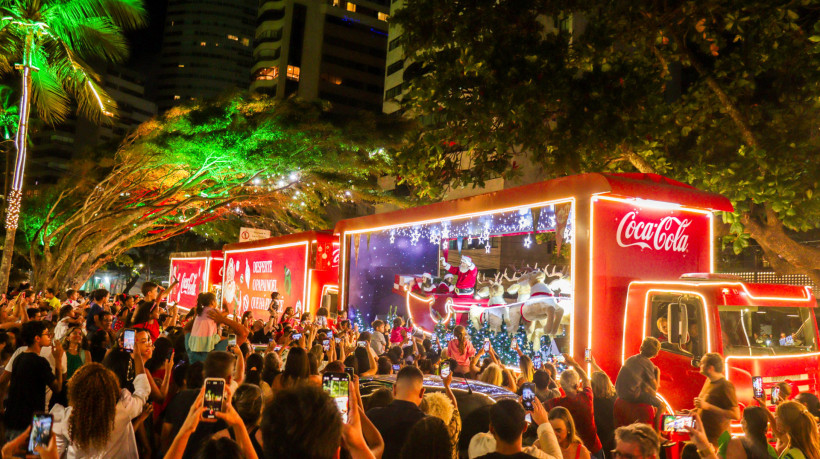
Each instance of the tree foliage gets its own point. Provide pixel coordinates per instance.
(244, 160)
(721, 94)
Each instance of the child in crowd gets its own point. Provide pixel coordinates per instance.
(399, 332)
(204, 332)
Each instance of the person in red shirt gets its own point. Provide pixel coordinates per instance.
(578, 400)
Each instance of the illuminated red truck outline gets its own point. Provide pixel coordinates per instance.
(306, 261)
(626, 229)
(194, 270)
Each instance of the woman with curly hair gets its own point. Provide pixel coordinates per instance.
(97, 422)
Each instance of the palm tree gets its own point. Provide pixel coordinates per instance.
(50, 42)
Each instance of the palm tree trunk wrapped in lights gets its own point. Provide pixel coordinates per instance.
(52, 40)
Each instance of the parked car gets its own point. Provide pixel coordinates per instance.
(474, 400)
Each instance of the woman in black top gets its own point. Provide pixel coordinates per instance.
(603, 405)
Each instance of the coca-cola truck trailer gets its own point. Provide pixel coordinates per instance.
(616, 246)
(197, 272)
(302, 267)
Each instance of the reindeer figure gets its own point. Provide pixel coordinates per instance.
(562, 288)
(493, 315)
(521, 287)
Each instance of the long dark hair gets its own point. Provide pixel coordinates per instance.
(297, 367)
(756, 425)
(363, 360)
(428, 438)
(161, 348)
(203, 300)
(143, 312)
(253, 368)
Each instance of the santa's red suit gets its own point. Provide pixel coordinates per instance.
(444, 287)
(466, 280)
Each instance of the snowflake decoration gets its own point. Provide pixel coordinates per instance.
(523, 222)
(445, 232)
(392, 237)
(414, 236)
(487, 247)
(527, 241)
(434, 237)
(485, 235)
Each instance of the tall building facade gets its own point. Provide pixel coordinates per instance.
(207, 49)
(54, 148)
(394, 65)
(332, 50)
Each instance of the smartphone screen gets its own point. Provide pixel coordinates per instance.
(296, 336)
(128, 339)
(527, 396)
(350, 371)
(330, 333)
(361, 343)
(338, 340)
(757, 386)
(326, 344)
(396, 367)
(214, 391)
(277, 348)
(588, 355)
(445, 369)
(40, 432)
(775, 395)
(231, 340)
(514, 343)
(677, 422)
(337, 385)
(486, 344)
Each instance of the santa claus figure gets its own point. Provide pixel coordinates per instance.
(446, 284)
(467, 273)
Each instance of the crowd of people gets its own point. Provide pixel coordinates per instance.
(146, 394)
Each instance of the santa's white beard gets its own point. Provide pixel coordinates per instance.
(465, 269)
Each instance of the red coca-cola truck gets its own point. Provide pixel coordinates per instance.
(622, 250)
(301, 267)
(196, 272)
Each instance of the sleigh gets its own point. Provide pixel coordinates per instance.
(426, 310)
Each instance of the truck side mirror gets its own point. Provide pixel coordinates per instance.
(678, 321)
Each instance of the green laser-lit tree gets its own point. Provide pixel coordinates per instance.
(49, 42)
(206, 167)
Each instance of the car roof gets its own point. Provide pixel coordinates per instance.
(434, 382)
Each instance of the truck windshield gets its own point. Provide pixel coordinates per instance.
(767, 330)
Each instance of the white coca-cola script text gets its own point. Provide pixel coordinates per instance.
(667, 234)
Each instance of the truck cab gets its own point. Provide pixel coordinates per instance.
(761, 330)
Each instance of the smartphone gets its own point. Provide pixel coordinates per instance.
(128, 338)
(527, 396)
(296, 336)
(337, 385)
(559, 358)
(338, 340)
(231, 340)
(396, 367)
(536, 361)
(326, 344)
(361, 343)
(588, 355)
(169, 355)
(277, 348)
(514, 343)
(677, 422)
(330, 334)
(40, 432)
(486, 344)
(214, 393)
(350, 371)
(259, 348)
(775, 395)
(445, 369)
(757, 386)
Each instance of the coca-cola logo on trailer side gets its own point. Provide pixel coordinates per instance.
(668, 234)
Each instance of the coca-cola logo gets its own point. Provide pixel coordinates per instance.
(668, 234)
(188, 284)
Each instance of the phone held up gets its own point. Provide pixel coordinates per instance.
(677, 422)
(337, 385)
(445, 370)
(214, 395)
(128, 338)
(527, 396)
(40, 432)
(757, 386)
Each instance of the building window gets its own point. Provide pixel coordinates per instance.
(393, 92)
(331, 79)
(233, 37)
(246, 42)
(337, 2)
(351, 7)
(267, 73)
(395, 67)
(394, 43)
(202, 43)
(293, 73)
(383, 16)
(181, 65)
(176, 97)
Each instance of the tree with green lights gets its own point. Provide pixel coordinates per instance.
(208, 167)
(720, 94)
(50, 42)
